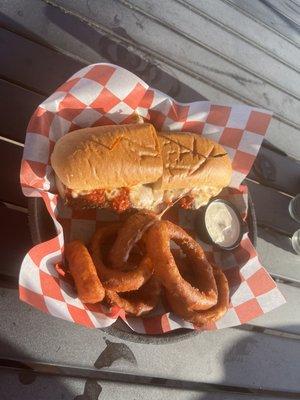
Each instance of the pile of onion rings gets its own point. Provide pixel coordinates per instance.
(132, 264)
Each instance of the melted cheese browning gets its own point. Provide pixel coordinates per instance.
(145, 197)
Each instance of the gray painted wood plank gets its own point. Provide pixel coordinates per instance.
(15, 240)
(271, 208)
(276, 170)
(277, 255)
(215, 357)
(16, 110)
(50, 27)
(25, 386)
(285, 138)
(32, 65)
(261, 11)
(251, 31)
(261, 63)
(289, 9)
(198, 60)
(10, 161)
(67, 33)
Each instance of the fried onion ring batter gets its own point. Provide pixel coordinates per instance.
(137, 302)
(83, 271)
(119, 281)
(204, 294)
(200, 318)
(129, 233)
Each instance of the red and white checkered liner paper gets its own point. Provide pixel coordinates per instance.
(103, 94)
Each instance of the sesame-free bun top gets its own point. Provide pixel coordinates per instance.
(192, 161)
(108, 157)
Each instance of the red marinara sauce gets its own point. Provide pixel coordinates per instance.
(94, 199)
(187, 202)
(121, 202)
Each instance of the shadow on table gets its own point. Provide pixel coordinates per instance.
(103, 49)
(282, 241)
(24, 384)
(275, 225)
(243, 365)
(261, 365)
(112, 51)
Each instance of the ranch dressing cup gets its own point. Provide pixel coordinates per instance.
(220, 224)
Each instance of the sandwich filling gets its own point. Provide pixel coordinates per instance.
(139, 196)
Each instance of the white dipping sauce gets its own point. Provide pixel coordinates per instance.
(222, 224)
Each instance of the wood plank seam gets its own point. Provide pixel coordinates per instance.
(270, 146)
(10, 190)
(6, 139)
(22, 85)
(217, 22)
(268, 331)
(258, 180)
(274, 229)
(286, 281)
(51, 369)
(46, 45)
(280, 11)
(9, 282)
(15, 207)
(249, 15)
(131, 6)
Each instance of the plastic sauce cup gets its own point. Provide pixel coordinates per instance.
(220, 224)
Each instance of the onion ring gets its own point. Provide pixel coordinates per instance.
(201, 297)
(184, 266)
(200, 318)
(119, 281)
(129, 233)
(83, 271)
(138, 302)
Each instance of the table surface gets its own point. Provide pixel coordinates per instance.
(224, 50)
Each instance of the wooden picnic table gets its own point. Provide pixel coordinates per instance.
(228, 51)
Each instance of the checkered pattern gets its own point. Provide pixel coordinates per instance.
(102, 94)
